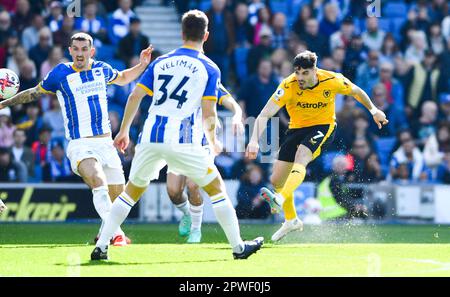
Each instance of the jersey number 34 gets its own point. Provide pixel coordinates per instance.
(181, 98)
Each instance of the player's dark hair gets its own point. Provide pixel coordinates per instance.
(194, 24)
(305, 60)
(81, 37)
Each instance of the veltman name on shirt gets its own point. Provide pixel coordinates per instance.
(90, 87)
(180, 62)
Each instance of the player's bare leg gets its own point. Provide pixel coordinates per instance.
(2, 206)
(196, 211)
(175, 189)
(226, 216)
(119, 212)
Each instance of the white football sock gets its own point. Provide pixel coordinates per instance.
(197, 216)
(226, 216)
(119, 212)
(183, 207)
(102, 201)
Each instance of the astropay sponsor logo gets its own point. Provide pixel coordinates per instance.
(311, 105)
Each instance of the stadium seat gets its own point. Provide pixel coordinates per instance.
(397, 24)
(280, 6)
(395, 9)
(384, 24)
(240, 59)
(327, 160)
(384, 147)
(117, 64)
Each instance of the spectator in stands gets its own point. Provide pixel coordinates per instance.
(5, 26)
(133, 43)
(253, 9)
(364, 166)
(338, 57)
(443, 170)
(360, 129)
(280, 32)
(92, 24)
(435, 147)
(415, 52)
(40, 52)
(262, 24)
(343, 37)
(422, 83)
(7, 51)
(304, 14)
(10, 170)
(342, 193)
(6, 128)
(389, 49)
(221, 41)
(19, 56)
(330, 23)
(244, 31)
(445, 25)
(27, 75)
(62, 36)
(426, 124)
(444, 100)
(355, 55)
(21, 152)
(257, 89)
(262, 51)
(315, 41)
(394, 89)
(373, 36)
(56, 17)
(30, 36)
(120, 21)
(57, 169)
(55, 57)
(54, 119)
(278, 57)
(249, 205)
(435, 38)
(407, 162)
(23, 16)
(41, 147)
(31, 122)
(368, 72)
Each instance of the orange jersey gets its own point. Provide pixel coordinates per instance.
(312, 106)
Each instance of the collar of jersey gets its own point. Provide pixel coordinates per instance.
(191, 47)
(89, 68)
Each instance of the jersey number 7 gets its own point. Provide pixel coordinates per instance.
(180, 98)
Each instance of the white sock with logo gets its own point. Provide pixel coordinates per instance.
(197, 216)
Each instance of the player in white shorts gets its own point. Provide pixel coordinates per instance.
(191, 205)
(81, 90)
(184, 84)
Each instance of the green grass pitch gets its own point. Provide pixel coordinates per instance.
(327, 250)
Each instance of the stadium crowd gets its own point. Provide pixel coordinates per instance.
(401, 59)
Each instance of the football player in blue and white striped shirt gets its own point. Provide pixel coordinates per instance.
(80, 87)
(184, 84)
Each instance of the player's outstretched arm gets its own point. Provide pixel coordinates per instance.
(260, 125)
(230, 103)
(25, 96)
(131, 74)
(378, 115)
(122, 138)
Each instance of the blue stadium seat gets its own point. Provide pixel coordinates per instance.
(106, 52)
(205, 5)
(117, 64)
(395, 9)
(384, 147)
(280, 6)
(240, 59)
(397, 24)
(384, 24)
(327, 160)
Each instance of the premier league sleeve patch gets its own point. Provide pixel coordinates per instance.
(278, 94)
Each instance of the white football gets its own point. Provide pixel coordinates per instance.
(9, 83)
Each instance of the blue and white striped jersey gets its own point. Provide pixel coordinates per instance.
(178, 82)
(82, 96)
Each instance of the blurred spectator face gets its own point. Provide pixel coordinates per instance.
(90, 10)
(386, 71)
(23, 7)
(263, 15)
(44, 137)
(265, 69)
(305, 13)
(278, 57)
(135, 28)
(429, 60)
(286, 69)
(38, 21)
(372, 24)
(12, 41)
(55, 103)
(255, 175)
(68, 23)
(312, 27)
(412, 15)
(401, 67)
(5, 158)
(444, 134)
(418, 40)
(327, 63)
(423, 13)
(361, 148)
(356, 42)
(58, 153)
(331, 12)
(403, 172)
(388, 43)
(266, 38)
(435, 30)
(429, 111)
(373, 162)
(27, 70)
(340, 165)
(373, 59)
(19, 138)
(339, 55)
(56, 54)
(379, 95)
(301, 47)
(125, 5)
(279, 21)
(32, 111)
(20, 55)
(241, 13)
(45, 36)
(5, 21)
(407, 142)
(347, 29)
(218, 5)
(361, 123)
(55, 10)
